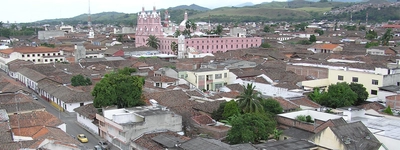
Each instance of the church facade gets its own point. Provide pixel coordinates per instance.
(149, 23)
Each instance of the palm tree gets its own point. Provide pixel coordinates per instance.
(193, 26)
(174, 47)
(153, 42)
(177, 33)
(387, 37)
(249, 100)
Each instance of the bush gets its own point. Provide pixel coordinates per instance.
(388, 110)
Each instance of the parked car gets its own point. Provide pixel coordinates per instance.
(97, 147)
(104, 145)
(34, 97)
(82, 138)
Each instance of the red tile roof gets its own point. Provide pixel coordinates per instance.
(25, 50)
(36, 118)
(305, 101)
(203, 119)
(285, 104)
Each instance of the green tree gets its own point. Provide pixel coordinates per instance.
(301, 26)
(371, 34)
(361, 28)
(388, 110)
(119, 88)
(266, 28)
(387, 37)
(339, 95)
(153, 42)
(316, 95)
(319, 31)
(313, 38)
(177, 33)
(251, 127)
(48, 45)
(119, 38)
(277, 133)
(1, 24)
(218, 30)
(249, 100)
(271, 105)
(79, 80)
(265, 45)
(351, 28)
(231, 108)
(174, 47)
(304, 42)
(217, 114)
(371, 44)
(361, 92)
(193, 26)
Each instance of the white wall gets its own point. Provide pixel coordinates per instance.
(63, 127)
(390, 143)
(383, 94)
(72, 106)
(126, 118)
(87, 123)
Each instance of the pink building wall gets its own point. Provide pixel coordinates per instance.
(150, 24)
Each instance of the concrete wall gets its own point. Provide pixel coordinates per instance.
(393, 101)
(87, 123)
(391, 79)
(319, 73)
(327, 138)
(390, 143)
(63, 127)
(43, 35)
(363, 78)
(71, 106)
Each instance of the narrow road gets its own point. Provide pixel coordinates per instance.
(73, 128)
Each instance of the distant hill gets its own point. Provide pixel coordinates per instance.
(292, 11)
(245, 4)
(190, 7)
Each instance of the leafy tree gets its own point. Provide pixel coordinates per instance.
(371, 34)
(301, 118)
(249, 100)
(193, 26)
(316, 95)
(231, 108)
(339, 95)
(119, 38)
(218, 30)
(387, 37)
(388, 110)
(361, 28)
(1, 24)
(271, 105)
(79, 80)
(186, 33)
(277, 133)
(301, 26)
(313, 38)
(371, 44)
(265, 45)
(309, 119)
(48, 45)
(319, 31)
(266, 28)
(177, 33)
(153, 42)
(361, 92)
(351, 28)
(119, 88)
(174, 47)
(251, 127)
(304, 42)
(217, 114)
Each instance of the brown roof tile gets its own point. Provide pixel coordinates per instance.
(146, 141)
(203, 119)
(305, 102)
(286, 104)
(36, 118)
(88, 110)
(208, 107)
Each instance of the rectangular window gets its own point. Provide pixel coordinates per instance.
(225, 75)
(355, 79)
(218, 76)
(374, 92)
(23, 55)
(217, 86)
(27, 55)
(340, 78)
(375, 82)
(33, 55)
(157, 84)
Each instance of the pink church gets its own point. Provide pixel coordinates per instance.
(149, 23)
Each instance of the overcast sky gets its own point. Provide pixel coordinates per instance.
(34, 10)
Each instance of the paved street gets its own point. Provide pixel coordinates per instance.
(72, 127)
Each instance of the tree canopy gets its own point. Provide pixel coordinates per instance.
(313, 38)
(386, 37)
(80, 80)
(361, 92)
(271, 105)
(251, 127)
(231, 108)
(153, 42)
(249, 100)
(267, 28)
(338, 95)
(119, 88)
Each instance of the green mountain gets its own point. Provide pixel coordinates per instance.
(297, 10)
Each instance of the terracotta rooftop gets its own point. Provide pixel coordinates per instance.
(88, 111)
(25, 50)
(36, 118)
(326, 46)
(286, 104)
(203, 119)
(146, 141)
